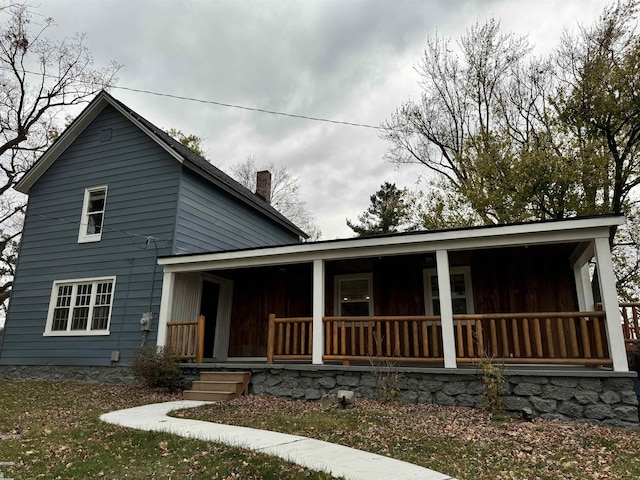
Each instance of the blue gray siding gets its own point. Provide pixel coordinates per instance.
(143, 183)
(209, 219)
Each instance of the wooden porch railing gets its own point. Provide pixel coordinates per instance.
(186, 339)
(630, 312)
(406, 339)
(564, 338)
(289, 338)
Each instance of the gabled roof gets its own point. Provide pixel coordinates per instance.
(181, 153)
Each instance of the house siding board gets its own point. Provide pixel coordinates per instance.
(138, 203)
(209, 219)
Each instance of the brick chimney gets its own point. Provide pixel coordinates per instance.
(263, 185)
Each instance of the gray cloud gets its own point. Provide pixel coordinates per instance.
(343, 60)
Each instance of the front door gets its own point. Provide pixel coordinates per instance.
(209, 308)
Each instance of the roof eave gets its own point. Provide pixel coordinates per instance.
(571, 230)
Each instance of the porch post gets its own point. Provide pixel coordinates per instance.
(583, 287)
(318, 312)
(607, 281)
(446, 309)
(166, 305)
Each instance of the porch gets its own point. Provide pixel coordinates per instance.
(426, 298)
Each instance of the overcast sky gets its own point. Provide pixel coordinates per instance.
(342, 60)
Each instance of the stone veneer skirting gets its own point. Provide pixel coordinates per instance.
(598, 396)
(107, 375)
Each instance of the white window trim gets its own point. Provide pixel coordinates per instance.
(354, 276)
(428, 298)
(78, 333)
(84, 237)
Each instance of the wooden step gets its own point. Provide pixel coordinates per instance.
(218, 386)
(225, 376)
(208, 396)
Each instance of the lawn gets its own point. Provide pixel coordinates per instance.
(51, 430)
(462, 442)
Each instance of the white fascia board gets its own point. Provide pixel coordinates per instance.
(60, 145)
(69, 136)
(148, 132)
(501, 236)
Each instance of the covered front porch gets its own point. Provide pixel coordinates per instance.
(517, 294)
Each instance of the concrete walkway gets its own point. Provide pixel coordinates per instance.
(340, 461)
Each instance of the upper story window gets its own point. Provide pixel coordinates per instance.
(92, 214)
(461, 291)
(80, 307)
(354, 295)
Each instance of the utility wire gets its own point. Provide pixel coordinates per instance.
(251, 109)
(229, 105)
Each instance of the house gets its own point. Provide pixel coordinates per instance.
(132, 239)
(112, 194)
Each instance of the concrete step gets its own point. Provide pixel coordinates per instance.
(209, 396)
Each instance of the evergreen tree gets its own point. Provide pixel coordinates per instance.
(389, 212)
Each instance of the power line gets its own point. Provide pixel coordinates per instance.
(228, 105)
(251, 109)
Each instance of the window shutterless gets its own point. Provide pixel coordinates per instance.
(80, 307)
(93, 208)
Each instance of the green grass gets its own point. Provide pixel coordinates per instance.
(464, 443)
(60, 436)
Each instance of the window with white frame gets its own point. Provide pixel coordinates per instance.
(354, 295)
(461, 291)
(92, 214)
(80, 307)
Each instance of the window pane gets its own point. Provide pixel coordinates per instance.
(79, 318)
(436, 306)
(355, 309)
(354, 289)
(100, 318)
(60, 318)
(434, 287)
(94, 223)
(83, 294)
(459, 305)
(457, 285)
(96, 201)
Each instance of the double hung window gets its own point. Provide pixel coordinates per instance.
(461, 291)
(80, 307)
(92, 219)
(354, 295)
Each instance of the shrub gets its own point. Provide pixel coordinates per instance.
(157, 368)
(493, 392)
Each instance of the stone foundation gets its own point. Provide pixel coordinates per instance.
(597, 396)
(107, 375)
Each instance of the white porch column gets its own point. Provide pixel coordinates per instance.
(607, 281)
(166, 305)
(318, 312)
(446, 309)
(583, 287)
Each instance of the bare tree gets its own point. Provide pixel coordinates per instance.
(39, 77)
(285, 193)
